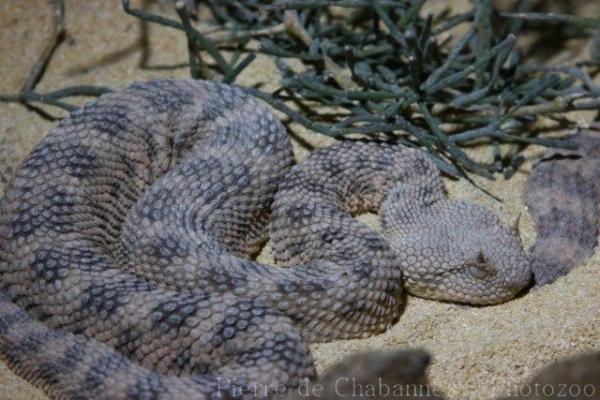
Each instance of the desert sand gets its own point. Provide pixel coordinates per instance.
(478, 352)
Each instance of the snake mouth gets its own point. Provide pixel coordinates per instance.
(433, 287)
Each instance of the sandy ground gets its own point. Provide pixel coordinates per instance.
(478, 352)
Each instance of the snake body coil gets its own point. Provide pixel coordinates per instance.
(125, 235)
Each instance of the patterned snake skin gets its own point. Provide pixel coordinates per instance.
(125, 239)
(562, 196)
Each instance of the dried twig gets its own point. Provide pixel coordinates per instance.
(390, 73)
(56, 35)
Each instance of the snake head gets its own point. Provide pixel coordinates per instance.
(454, 250)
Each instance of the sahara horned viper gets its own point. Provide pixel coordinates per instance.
(125, 239)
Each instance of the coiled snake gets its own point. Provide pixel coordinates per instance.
(125, 235)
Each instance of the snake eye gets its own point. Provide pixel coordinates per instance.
(480, 268)
(478, 272)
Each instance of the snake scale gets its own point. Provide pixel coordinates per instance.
(562, 196)
(127, 235)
